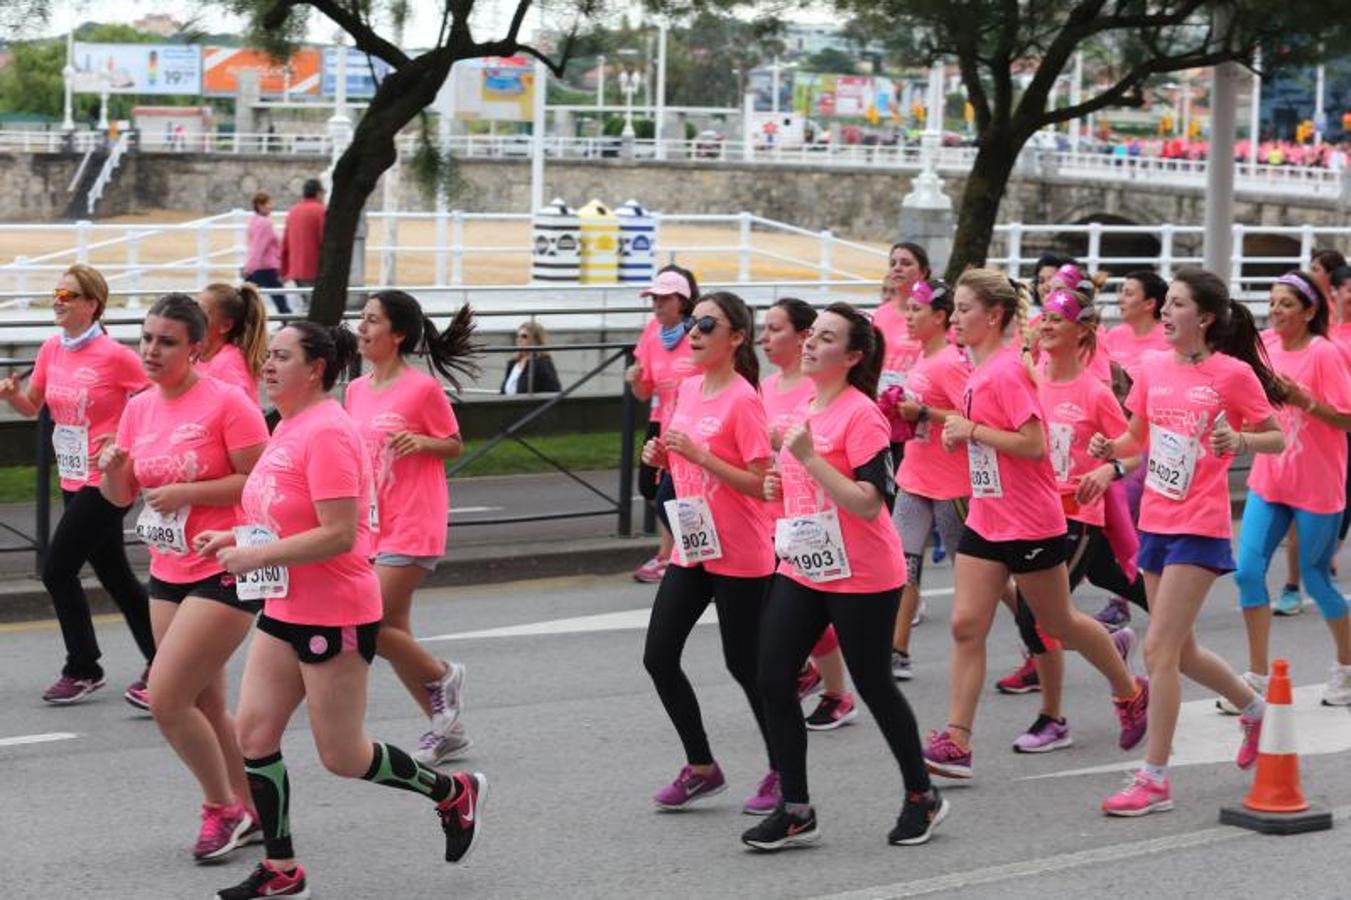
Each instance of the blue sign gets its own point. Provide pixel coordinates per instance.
(364, 73)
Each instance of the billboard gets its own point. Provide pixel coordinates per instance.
(137, 68)
(221, 67)
(845, 96)
(500, 89)
(364, 73)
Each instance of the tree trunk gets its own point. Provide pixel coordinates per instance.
(979, 207)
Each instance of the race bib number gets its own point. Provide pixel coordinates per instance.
(813, 545)
(983, 464)
(267, 583)
(1172, 463)
(71, 444)
(166, 532)
(890, 379)
(1061, 436)
(696, 538)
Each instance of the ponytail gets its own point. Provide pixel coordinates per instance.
(245, 309)
(451, 352)
(335, 345)
(866, 339)
(745, 361)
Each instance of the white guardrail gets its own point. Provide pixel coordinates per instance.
(1091, 165)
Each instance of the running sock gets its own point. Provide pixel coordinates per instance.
(1254, 710)
(392, 767)
(1157, 773)
(271, 789)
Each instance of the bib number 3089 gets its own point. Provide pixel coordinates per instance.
(166, 532)
(267, 583)
(696, 537)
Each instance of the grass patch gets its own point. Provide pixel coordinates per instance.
(581, 452)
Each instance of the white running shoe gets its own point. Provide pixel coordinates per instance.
(447, 698)
(921, 612)
(434, 749)
(1338, 691)
(1256, 682)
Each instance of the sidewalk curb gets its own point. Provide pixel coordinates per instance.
(26, 600)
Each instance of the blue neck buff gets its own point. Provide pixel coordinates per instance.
(670, 337)
(75, 343)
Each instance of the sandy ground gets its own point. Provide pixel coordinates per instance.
(496, 253)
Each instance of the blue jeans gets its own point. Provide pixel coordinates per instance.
(1264, 524)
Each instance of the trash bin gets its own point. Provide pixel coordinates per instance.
(556, 244)
(600, 244)
(637, 243)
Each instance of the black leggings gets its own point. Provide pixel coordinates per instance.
(864, 622)
(683, 596)
(91, 530)
(1090, 556)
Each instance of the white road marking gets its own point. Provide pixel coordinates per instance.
(474, 509)
(613, 621)
(1205, 737)
(37, 738)
(1032, 868)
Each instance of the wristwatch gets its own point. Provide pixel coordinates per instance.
(1119, 469)
(923, 413)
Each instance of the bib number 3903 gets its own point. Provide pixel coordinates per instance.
(166, 532)
(71, 445)
(983, 464)
(814, 546)
(1172, 463)
(692, 526)
(267, 583)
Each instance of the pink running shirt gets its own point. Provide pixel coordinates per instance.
(848, 434)
(1075, 411)
(1341, 336)
(228, 365)
(663, 371)
(1000, 394)
(902, 351)
(413, 497)
(88, 387)
(1310, 474)
(187, 439)
(783, 410)
(1128, 351)
(927, 470)
(312, 456)
(1185, 400)
(732, 425)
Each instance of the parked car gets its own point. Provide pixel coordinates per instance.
(708, 144)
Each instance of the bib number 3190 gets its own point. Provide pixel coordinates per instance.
(692, 526)
(267, 583)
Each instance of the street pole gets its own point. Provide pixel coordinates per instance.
(1219, 221)
(774, 87)
(1186, 106)
(537, 138)
(68, 76)
(661, 89)
(1254, 114)
(926, 212)
(1076, 97)
(600, 85)
(1319, 116)
(340, 124)
(103, 105)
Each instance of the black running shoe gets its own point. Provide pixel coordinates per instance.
(267, 882)
(782, 829)
(461, 818)
(918, 819)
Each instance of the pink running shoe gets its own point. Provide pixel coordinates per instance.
(808, 680)
(651, 572)
(1022, 680)
(690, 787)
(223, 829)
(138, 692)
(1133, 715)
(1252, 734)
(944, 757)
(766, 798)
(1141, 797)
(1124, 641)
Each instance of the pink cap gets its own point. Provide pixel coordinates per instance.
(1063, 304)
(668, 283)
(922, 293)
(1069, 275)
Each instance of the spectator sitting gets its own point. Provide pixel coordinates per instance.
(532, 371)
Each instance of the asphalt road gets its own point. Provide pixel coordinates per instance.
(571, 736)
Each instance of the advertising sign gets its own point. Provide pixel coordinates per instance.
(364, 73)
(500, 89)
(221, 67)
(137, 68)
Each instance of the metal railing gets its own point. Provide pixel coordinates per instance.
(105, 175)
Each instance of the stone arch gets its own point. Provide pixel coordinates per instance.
(1136, 251)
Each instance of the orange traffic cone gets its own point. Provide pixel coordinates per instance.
(1276, 804)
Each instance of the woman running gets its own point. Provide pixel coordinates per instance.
(409, 430)
(1077, 406)
(841, 567)
(188, 443)
(662, 362)
(303, 550)
(235, 346)
(788, 323)
(1303, 484)
(1195, 410)
(85, 378)
(1016, 525)
(934, 488)
(717, 450)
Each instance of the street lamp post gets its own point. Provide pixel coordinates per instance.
(68, 76)
(630, 83)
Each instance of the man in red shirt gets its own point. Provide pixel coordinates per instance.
(304, 234)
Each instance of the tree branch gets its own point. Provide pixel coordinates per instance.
(362, 34)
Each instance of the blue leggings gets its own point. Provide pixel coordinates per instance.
(1264, 524)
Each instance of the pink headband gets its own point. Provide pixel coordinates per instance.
(1294, 281)
(1063, 304)
(922, 293)
(1069, 274)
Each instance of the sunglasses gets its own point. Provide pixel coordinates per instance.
(705, 324)
(66, 294)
